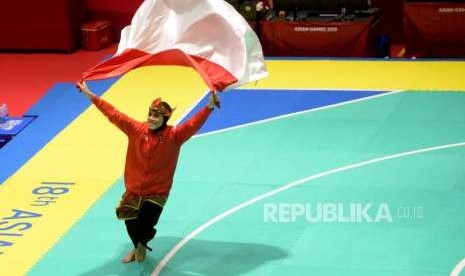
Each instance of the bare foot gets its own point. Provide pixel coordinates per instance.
(131, 257)
(140, 252)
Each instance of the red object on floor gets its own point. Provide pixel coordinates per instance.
(119, 13)
(397, 51)
(96, 34)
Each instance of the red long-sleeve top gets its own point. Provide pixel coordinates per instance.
(151, 157)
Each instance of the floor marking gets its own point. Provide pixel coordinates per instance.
(189, 110)
(287, 186)
(298, 113)
(458, 268)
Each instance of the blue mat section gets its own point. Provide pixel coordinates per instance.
(58, 108)
(237, 104)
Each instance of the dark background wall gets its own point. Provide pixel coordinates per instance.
(392, 18)
(54, 24)
(120, 12)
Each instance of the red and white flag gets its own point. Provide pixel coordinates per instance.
(207, 35)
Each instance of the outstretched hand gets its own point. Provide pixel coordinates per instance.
(82, 86)
(214, 100)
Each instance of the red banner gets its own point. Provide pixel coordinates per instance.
(319, 38)
(434, 29)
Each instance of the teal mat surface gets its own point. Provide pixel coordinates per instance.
(421, 191)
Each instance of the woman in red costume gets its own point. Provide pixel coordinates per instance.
(151, 158)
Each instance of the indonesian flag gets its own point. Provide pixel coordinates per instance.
(207, 35)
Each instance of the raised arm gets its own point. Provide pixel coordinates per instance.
(119, 119)
(190, 127)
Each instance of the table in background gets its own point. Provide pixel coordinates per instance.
(356, 38)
